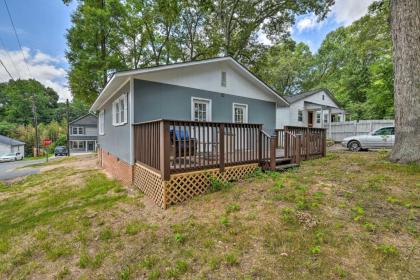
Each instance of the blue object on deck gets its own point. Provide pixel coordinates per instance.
(180, 134)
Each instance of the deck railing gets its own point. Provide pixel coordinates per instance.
(312, 143)
(173, 146)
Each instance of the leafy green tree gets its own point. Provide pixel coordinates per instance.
(285, 66)
(355, 63)
(94, 46)
(17, 98)
(109, 35)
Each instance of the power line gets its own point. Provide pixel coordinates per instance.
(17, 37)
(8, 55)
(5, 68)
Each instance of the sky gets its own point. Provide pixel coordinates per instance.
(41, 26)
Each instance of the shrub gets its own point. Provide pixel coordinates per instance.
(231, 259)
(105, 234)
(388, 250)
(218, 185)
(224, 221)
(316, 250)
(232, 208)
(179, 238)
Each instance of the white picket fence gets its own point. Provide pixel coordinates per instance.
(341, 130)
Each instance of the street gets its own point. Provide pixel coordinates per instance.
(13, 169)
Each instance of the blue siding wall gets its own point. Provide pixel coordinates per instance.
(117, 138)
(154, 100)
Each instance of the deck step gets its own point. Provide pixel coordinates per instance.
(283, 160)
(284, 167)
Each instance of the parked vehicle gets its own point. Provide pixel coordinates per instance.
(61, 151)
(11, 157)
(381, 138)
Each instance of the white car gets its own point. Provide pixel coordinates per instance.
(11, 157)
(381, 138)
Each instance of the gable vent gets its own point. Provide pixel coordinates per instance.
(223, 80)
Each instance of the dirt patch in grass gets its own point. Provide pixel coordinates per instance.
(349, 215)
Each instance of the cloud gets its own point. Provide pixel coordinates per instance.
(346, 11)
(307, 23)
(42, 67)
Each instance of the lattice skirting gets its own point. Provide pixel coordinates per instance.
(150, 183)
(184, 186)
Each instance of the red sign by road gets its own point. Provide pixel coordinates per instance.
(47, 142)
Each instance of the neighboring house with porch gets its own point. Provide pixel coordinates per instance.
(166, 128)
(10, 145)
(83, 134)
(316, 108)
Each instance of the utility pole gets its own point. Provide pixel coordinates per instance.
(35, 124)
(68, 127)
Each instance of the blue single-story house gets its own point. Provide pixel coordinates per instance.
(159, 123)
(213, 90)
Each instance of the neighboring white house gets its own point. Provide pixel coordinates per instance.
(317, 108)
(9, 145)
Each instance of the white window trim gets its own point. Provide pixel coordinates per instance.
(77, 128)
(199, 99)
(123, 97)
(300, 112)
(245, 113)
(101, 123)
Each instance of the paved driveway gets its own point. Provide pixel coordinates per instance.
(11, 170)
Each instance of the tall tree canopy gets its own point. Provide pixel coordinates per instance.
(16, 101)
(353, 62)
(110, 35)
(286, 66)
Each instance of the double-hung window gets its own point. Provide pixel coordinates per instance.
(101, 122)
(318, 117)
(119, 110)
(300, 116)
(201, 109)
(77, 130)
(240, 113)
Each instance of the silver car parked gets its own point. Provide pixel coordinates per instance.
(381, 138)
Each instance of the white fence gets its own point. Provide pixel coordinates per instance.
(341, 130)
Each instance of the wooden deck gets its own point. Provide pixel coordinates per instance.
(172, 146)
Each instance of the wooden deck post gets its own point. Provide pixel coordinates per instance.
(324, 143)
(286, 142)
(164, 150)
(307, 141)
(260, 146)
(273, 145)
(298, 143)
(222, 147)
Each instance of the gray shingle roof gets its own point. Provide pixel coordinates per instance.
(299, 96)
(10, 141)
(88, 119)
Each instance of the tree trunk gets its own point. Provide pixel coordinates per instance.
(405, 26)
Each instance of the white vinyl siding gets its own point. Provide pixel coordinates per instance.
(119, 110)
(101, 123)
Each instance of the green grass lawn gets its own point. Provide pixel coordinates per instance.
(346, 216)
